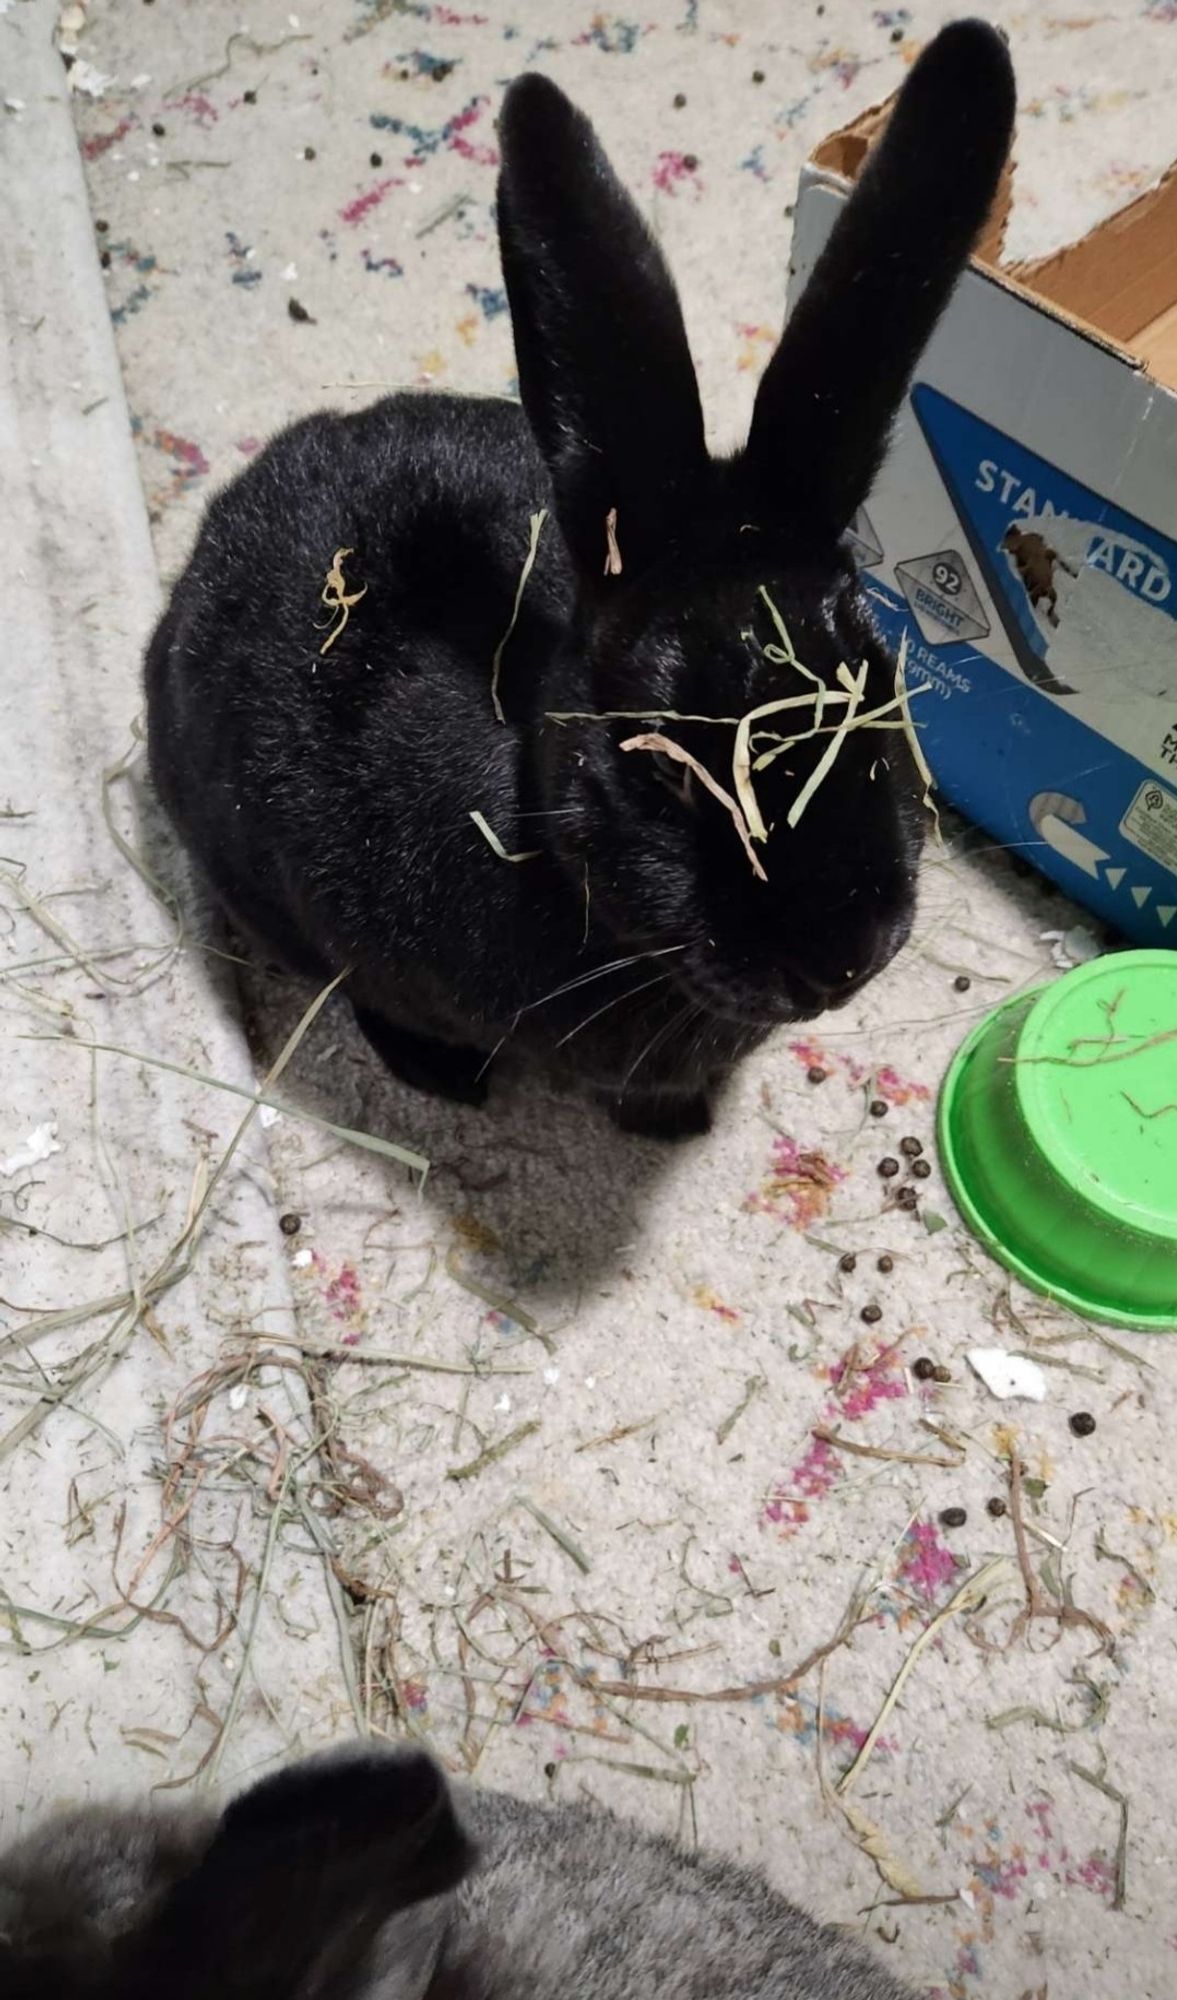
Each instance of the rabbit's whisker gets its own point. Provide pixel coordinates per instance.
(586, 978)
(675, 1022)
(704, 1032)
(630, 993)
(572, 985)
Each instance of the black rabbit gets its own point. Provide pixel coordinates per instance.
(352, 1877)
(329, 789)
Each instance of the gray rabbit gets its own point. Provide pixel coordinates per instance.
(356, 1875)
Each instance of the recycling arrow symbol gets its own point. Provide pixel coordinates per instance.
(1056, 819)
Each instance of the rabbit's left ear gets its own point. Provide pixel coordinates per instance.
(303, 1873)
(605, 372)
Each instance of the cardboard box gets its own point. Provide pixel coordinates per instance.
(1023, 532)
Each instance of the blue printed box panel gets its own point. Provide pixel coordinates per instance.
(1048, 643)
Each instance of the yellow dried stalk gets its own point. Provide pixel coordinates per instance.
(856, 687)
(969, 1596)
(894, 714)
(742, 753)
(877, 1848)
(636, 715)
(537, 523)
(336, 596)
(903, 697)
(783, 743)
(492, 840)
(872, 719)
(666, 745)
(784, 655)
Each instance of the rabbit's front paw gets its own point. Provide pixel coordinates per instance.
(447, 1069)
(652, 1117)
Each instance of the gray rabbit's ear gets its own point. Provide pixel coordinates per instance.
(314, 1879)
(405, 1958)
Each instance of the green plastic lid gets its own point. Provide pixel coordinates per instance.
(1058, 1138)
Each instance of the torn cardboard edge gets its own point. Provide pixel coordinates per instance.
(1117, 286)
(844, 154)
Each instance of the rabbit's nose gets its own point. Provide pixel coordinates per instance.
(832, 989)
(845, 970)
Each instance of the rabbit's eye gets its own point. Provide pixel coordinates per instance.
(677, 778)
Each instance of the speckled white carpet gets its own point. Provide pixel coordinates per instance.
(576, 1516)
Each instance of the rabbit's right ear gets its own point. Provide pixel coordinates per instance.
(605, 372)
(304, 1873)
(828, 397)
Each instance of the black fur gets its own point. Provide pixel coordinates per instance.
(610, 392)
(329, 797)
(303, 1872)
(828, 395)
